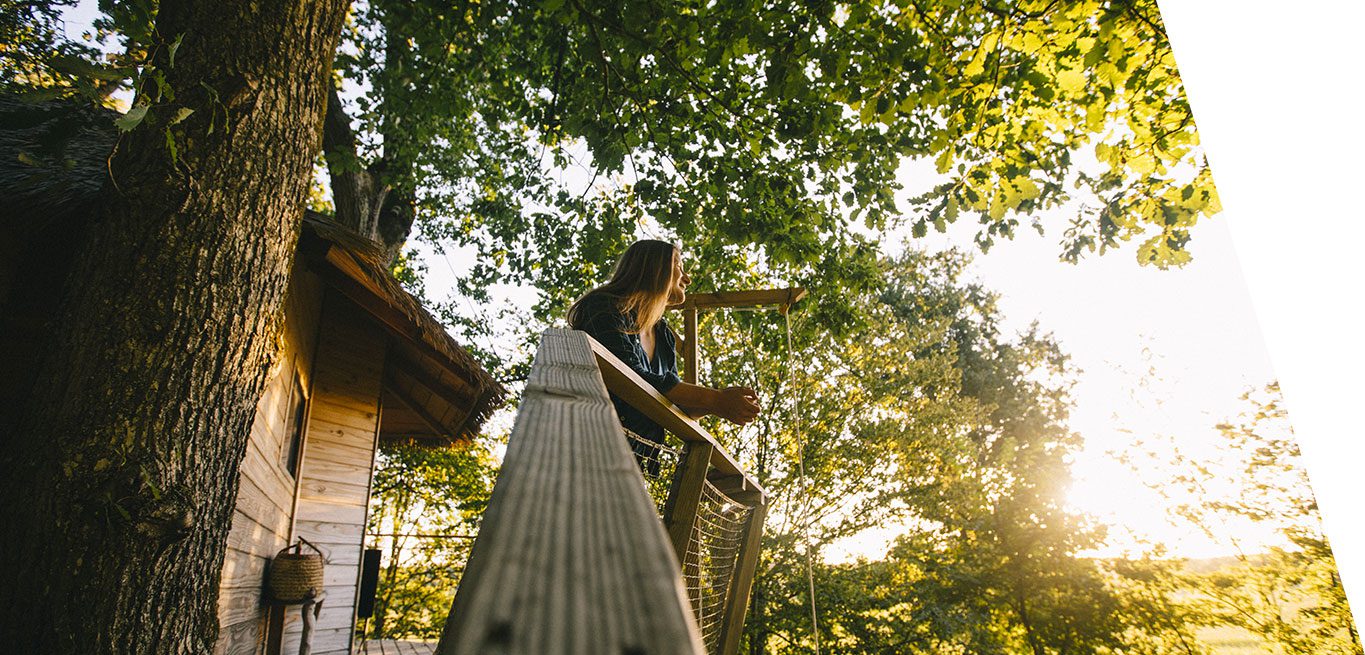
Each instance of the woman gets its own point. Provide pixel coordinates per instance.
(626, 316)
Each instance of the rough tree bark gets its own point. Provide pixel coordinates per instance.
(120, 480)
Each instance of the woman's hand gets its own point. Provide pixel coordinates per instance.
(738, 405)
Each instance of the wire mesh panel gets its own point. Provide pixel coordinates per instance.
(712, 556)
(658, 462)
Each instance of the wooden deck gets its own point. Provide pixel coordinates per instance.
(397, 647)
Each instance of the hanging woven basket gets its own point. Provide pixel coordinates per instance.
(297, 576)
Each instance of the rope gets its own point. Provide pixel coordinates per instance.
(805, 484)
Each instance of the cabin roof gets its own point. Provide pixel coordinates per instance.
(434, 391)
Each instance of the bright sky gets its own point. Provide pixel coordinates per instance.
(1194, 327)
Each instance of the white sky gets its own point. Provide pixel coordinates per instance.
(1276, 92)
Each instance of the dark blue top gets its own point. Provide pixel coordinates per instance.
(599, 317)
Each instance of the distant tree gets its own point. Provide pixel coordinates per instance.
(925, 415)
(1290, 595)
(423, 499)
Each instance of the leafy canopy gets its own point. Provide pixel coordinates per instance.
(542, 135)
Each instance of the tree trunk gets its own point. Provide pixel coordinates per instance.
(378, 201)
(120, 481)
(364, 198)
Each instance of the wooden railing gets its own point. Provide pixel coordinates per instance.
(572, 556)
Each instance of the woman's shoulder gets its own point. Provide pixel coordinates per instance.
(598, 302)
(596, 309)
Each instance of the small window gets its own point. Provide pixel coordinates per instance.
(298, 403)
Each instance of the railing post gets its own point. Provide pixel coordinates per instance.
(738, 602)
(680, 512)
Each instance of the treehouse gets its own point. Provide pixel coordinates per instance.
(360, 362)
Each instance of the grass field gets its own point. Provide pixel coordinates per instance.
(1233, 641)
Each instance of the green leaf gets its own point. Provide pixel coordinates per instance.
(132, 119)
(180, 115)
(170, 51)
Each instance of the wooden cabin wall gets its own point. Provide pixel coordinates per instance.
(338, 459)
(261, 522)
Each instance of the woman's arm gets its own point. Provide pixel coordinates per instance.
(738, 405)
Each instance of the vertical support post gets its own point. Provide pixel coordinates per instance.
(690, 352)
(737, 604)
(680, 511)
(274, 631)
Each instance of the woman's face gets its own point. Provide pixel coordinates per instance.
(677, 289)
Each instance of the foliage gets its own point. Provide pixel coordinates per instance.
(923, 416)
(424, 490)
(1291, 596)
(738, 123)
(538, 139)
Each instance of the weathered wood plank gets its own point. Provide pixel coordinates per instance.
(312, 510)
(342, 491)
(248, 536)
(238, 605)
(270, 509)
(330, 467)
(248, 569)
(571, 556)
(241, 639)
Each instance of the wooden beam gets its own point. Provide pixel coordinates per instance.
(571, 558)
(737, 602)
(629, 386)
(756, 298)
(335, 262)
(443, 390)
(416, 407)
(464, 423)
(736, 487)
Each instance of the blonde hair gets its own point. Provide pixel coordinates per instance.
(640, 283)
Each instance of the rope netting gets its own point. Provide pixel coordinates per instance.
(712, 556)
(717, 536)
(658, 462)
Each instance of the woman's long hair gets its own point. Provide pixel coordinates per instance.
(639, 284)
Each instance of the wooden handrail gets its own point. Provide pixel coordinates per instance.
(629, 386)
(571, 557)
